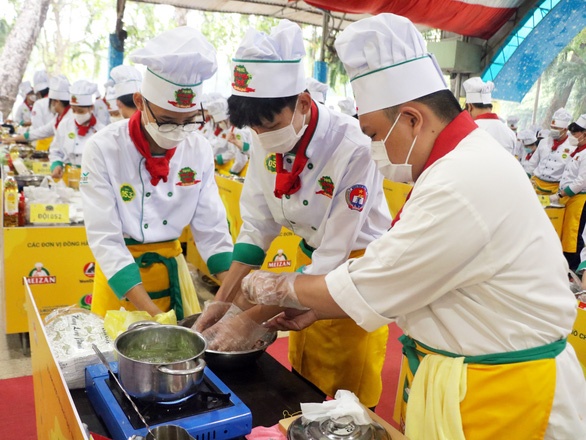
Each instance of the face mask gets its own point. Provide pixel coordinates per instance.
(82, 118)
(116, 119)
(32, 98)
(555, 134)
(52, 109)
(284, 139)
(528, 150)
(167, 141)
(223, 125)
(573, 140)
(400, 173)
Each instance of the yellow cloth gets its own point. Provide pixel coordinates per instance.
(225, 168)
(338, 354)
(43, 144)
(433, 412)
(571, 226)
(154, 278)
(506, 401)
(545, 188)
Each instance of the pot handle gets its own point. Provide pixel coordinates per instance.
(139, 324)
(201, 364)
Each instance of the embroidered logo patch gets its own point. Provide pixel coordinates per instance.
(127, 192)
(564, 156)
(183, 98)
(241, 80)
(327, 186)
(73, 99)
(566, 150)
(271, 163)
(356, 197)
(187, 177)
(71, 135)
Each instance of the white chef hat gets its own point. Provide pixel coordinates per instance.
(40, 80)
(127, 80)
(513, 121)
(178, 61)
(210, 97)
(582, 121)
(347, 106)
(25, 88)
(82, 92)
(543, 133)
(387, 61)
(561, 118)
(478, 91)
(317, 89)
(218, 109)
(528, 137)
(270, 66)
(59, 88)
(111, 99)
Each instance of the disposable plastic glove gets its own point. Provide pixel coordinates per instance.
(554, 199)
(268, 288)
(234, 332)
(213, 311)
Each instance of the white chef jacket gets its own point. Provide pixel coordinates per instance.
(334, 225)
(525, 161)
(41, 114)
(67, 145)
(120, 201)
(22, 113)
(101, 111)
(501, 132)
(48, 130)
(549, 165)
(225, 151)
(463, 271)
(574, 178)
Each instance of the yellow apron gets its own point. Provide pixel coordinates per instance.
(337, 354)
(224, 169)
(156, 279)
(43, 144)
(571, 226)
(545, 188)
(507, 395)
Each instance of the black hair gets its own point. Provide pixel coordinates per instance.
(63, 103)
(481, 106)
(251, 112)
(44, 92)
(127, 100)
(84, 106)
(443, 104)
(574, 128)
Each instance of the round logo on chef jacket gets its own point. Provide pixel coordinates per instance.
(271, 163)
(71, 135)
(564, 156)
(356, 197)
(127, 192)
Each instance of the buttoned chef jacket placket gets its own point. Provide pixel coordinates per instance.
(549, 165)
(339, 166)
(120, 202)
(67, 146)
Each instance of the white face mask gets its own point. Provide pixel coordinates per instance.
(116, 119)
(82, 118)
(400, 173)
(32, 98)
(167, 141)
(555, 134)
(284, 139)
(573, 140)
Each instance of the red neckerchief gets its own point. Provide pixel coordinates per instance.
(557, 143)
(60, 117)
(577, 150)
(83, 129)
(218, 130)
(30, 107)
(287, 183)
(203, 125)
(448, 139)
(158, 167)
(529, 155)
(487, 116)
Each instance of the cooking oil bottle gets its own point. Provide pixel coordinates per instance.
(10, 203)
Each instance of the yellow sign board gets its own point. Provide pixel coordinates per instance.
(578, 336)
(396, 194)
(57, 417)
(42, 168)
(49, 213)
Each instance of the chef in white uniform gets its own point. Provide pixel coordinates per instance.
(485, 326)
(127, 81)
(113, 109)
(479, 105)
(41, 113)
(101, 108)
(23, 114)
(553, 153)
(310, 171)
(317, 89)
(529, 141)
(145, 179)
(70, 139)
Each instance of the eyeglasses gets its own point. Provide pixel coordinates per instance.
(167, 127)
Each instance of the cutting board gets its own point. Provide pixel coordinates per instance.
(393, 433)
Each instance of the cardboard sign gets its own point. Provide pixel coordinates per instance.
(43, 168)
(49, 213)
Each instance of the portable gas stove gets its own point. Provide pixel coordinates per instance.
(213, 413)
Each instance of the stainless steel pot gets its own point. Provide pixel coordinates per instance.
(232, 360)
(154, 379)
(341, 428)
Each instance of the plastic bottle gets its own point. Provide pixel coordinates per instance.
(21, 210)
(10, 203)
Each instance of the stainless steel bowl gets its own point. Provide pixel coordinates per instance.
(29, 179)
(232, 360)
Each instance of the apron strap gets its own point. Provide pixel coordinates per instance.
(148, 259)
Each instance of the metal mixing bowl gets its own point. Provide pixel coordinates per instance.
(232, 360)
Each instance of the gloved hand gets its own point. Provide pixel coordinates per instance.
(213, 311)
(268, 288)
(292, 319)
(554, 199)
(234, 333)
